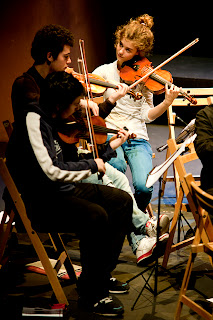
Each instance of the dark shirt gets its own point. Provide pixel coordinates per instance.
(204, 146)
(27, 88)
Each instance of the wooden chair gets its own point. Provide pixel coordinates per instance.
(18, 207)
(203, 97)
(203, 242)
(183, 190)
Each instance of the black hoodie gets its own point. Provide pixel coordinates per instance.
(36, 162)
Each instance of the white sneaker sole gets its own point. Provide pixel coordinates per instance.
(162, 239)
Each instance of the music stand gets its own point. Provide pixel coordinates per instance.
(154, 175)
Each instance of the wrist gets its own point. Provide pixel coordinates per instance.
(166, 103)
(111, 100)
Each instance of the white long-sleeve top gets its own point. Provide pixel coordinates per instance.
(128, 112)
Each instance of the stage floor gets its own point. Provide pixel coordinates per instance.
(19, 287)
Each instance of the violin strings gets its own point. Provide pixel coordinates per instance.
(101, 129)
(163, 81)
(155, 76)
(159, 78)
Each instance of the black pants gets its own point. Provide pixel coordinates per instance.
(102, 217)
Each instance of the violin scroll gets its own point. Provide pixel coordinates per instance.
(191, 99)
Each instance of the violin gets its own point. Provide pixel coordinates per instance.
(98, 84)
(73, 131)
(138, 68)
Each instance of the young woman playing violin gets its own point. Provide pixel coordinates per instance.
(134, 41)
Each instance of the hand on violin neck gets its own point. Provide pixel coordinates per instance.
(120, 92)
(91, 104)
(118, 139)
(100, 165)
(171, 93)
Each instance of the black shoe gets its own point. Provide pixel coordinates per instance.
(116, 286)
(108, 307)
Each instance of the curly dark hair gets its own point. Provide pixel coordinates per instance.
(59, 91)
(50, 38)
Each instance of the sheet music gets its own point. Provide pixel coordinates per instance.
(157, 172)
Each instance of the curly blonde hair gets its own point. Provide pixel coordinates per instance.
(139, 32)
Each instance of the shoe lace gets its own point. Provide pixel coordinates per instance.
(113, 279)
(152, 224)
(104, 300)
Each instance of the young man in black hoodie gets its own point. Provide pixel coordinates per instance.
(48, 179)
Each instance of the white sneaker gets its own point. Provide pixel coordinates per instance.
(144, 252)
(164, 237)
(151, 225)
(145, 249)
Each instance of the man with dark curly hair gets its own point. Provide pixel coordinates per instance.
(51, 48)
(51, 52)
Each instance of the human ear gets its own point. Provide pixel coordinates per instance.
(49, 56)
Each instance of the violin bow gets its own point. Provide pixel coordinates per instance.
(90, 97)
(164, 62)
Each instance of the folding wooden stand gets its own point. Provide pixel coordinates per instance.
(203, 242)
(18, 207)
(181, 171)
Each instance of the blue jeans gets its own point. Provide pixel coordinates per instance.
(115, 178)
(138, 155)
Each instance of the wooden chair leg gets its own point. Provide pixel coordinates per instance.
(183, 299)
(51, 273)
(67, 263)
(184, 286)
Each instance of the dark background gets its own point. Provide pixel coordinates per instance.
(176, 23)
